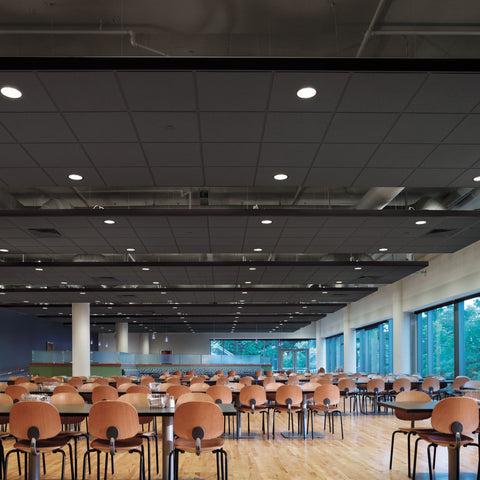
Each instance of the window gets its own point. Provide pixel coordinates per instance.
(447, 339)
(374, 347)
(334, 348)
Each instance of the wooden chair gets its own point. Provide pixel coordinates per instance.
(194, 397)
(21, 380)
(64, 387)
(178, 373)
(222, 380)
(138, 389)
(198, 427)
(472, 384)
(374, 392)
(222, 394)
(190, 372)
(268, 373)
(219, 372)
(326, 399)
(288, 398)
(104, 392)
(76, 382)
(431, 385)
(114, 426)
(409, 396)
(459, 382)
(176, 391)
(71, 424)
(246, 380)
(453, 420)
(174, 380)
(123, 380)
(146, 379)
(196, 380)
(101, 381)
(4, 419)
(16, 392)
(36, 426)
(231, 373)
(199, 387)
(348, 389)
(268, 380)
(86, 390)
(3, 387)
(253, 399)
(140, 398)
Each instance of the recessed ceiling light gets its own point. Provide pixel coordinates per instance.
(4, 250)
(75, 176)
(109, 222)
(11, 92)
(44, 308)
(266, 222)
(130, 249)
(357, 268)
(248, 282)
(244, 293)
(252, 268)
(39, 269)
(420, 222)
(280, 176)
(26, 301)
(339, 281)
(306, 92)
(145, 269)
(163, 293)
(2, 293)
(258, 249)
(383, 249)
(476, 179)
(82, 293)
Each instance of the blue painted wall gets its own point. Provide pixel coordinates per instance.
(20, 334)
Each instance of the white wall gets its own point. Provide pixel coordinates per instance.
(448, 276)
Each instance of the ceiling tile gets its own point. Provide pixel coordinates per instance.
(58, 154)
(173, 154)
(231, 127)
(115, 154)
(388, 177)
(287, 154)
(174, 177)
(344, 155)
(90, 176)
(166, 127)
(432, 177)
(359, 127)
(123, 177)
(466, 131)
(223, 154)
(229, 176)
(330, 176)
(296, 127)
(26, 177)
(400, 155)
(295, 176)
(12, 155)
(459, 156)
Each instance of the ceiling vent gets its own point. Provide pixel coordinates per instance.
(89, 258)
(44, 232)
(441, 232)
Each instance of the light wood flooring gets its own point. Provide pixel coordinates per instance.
(362, 455)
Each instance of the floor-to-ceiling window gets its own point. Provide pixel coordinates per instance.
(374, 348)
(334, 352)
(447, 339)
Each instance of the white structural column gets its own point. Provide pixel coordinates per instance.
(320, 342)
(81, 339)
(121, 330)
(349, 350)
(401, 333)
(145, 343)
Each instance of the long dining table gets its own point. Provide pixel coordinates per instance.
(166, 413)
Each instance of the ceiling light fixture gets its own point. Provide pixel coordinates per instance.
(357, 268)
(420, 222)
(476, 179)
(383, 249)
(39, 269)
(4, 250)
(11, 92)
(252, 268)
(75, 177)
(109, 222)
(266, 222)
(258, 249)
(130, 249)
(306, 92)
(280, 176)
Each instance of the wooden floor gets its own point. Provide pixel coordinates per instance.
(362, 455)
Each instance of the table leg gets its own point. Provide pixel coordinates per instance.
(167, 444)
(453, 464)
(34, 467)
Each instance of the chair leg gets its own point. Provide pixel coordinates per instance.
(415, 458)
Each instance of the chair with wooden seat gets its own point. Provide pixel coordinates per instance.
(4, 419)
(150, 433)
(75, 382)
(431, 385)
(288, 398)
(454, 419)
(246, 380)
(138, 389)
(198, 427)
(173, 379)
(459, 382)
(222, 380)
(190, 372)
(114, 426)
(194, 397)
(375, 391)
(253, 399)
(101, 381)
(176, 391)
(37, 427)
(199, 387)
(104, 392)
(64, 387)
(401, 384)
(472, 384)
(16, 392)
(71, 424)
(196, 380)
(325, 400)
(222, 394)
(348, 389)
(123, 380)
(146, 379)
(409, 396)
(19, 380)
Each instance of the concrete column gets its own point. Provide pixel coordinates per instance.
(121, 331)
(349, 347)
(320, 341)
(145, 343)
(401, 333)
(81, 339)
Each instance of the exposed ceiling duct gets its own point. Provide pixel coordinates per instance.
(377, 198)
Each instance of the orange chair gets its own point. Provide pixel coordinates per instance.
(64, 387)
(222, 394)
(146, 379)
(194, 397)
(453, 420)
(22, 380)
(4, 419)
(375, 391)
(288, 398)
(348, 389)
(104, 392)
(459, 382)
(431, 385)
(199, 387)
(326, 399)
(16, 392)
(122, 380)
(402, 384)
(198, 427)
(196, 380)
(174, 380)
(101, 381)
(76, 382)
(140, 398)
(37, 427)
(253, 399)
(139, 389)
(114, 426)
(176, 390)
(246, 380)
(222, 380)
(409, 396)
(72, 423)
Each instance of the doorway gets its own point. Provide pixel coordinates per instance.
(295, 359)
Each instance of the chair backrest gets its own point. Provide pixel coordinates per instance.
(460, 381)
(347, 383)
(64, 387)
(101, 381)
(197, 380)
(326, 395)
(43, 415)
(190, 372)
(268, 373)
(253, 395)
(116, 413)
(282, 376)
(220, 394)
(138, 389)
(323, 380)
(123, 380)
(193, 416)
(245, 380)
(455, 410)
(199, 387)
(268, 380)
(176, 391)
(88, 387)
(67, 398)
(412, 396)
(222, 380)
(375, 385)
(134, 398)
(104, 392)
(402, 384)
(22, 380)
(430, 384)
(293, 380)
(321, 370)
(342, 375)
(232, 373)
(3, 387)
(187, 378)
(258, 373)
(472, 384)
(146, 379)
(31, 387)
(178, 373)
(194, 397)
(174, 380)
(40, 379)
(75, 382)
(289, 394)
(5, 399)
(16, 392)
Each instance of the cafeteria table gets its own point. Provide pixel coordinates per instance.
(83, 410)
(423, 407)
